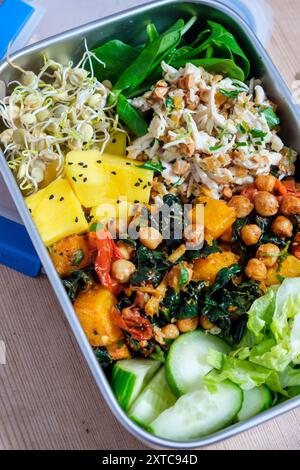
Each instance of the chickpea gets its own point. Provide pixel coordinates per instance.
(268, 254)
(266, 204)
(251, 234)
(122, 269)
(290, 205)
(150, 237)
(205, 323)
(265, 183)
(126, 250)
(282, 227)
(175, 276)
(242, 205)
(187, 324)
(170, 331)
(256, 270)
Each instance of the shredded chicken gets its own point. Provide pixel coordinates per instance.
(214, 128)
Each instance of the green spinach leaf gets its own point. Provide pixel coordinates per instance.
(131, 117)
(116, 57)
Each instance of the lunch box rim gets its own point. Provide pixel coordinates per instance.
(99, 375)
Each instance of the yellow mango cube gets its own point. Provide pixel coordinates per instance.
(117, 144)
(56, 212)
(95, 178)
(86, 176)
(127, 179)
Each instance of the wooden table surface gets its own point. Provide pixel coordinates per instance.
(48, 398)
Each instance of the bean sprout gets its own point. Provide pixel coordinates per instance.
(61, 108)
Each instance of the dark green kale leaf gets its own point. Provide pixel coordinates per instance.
(103, 357)
(228, 300)
(75, 282)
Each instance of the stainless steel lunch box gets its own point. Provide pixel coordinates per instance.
(129, 26)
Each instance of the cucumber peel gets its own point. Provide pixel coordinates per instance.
(129, 378)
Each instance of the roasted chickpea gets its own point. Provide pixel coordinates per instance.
(179, 276)
(290, 205)
(265, 183)
(251, 234)
(205, 323)
(126, 250)
(122, 269)
(187, 324)
(170, 331)
(256, 270)
(282, 227)
(268, 254)
(266, 204)
(150, 237)
(242, 205)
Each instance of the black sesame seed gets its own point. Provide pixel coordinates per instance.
(76, 220)
(136, 201)
(30, 211)
(84, 180)
(113, 172)
(80, 163)
(118, 201)
(74, 179)
(114, 141)
(62, 199)
(99, 161)
(128, 163)
(140, 180)
(61, 254)
(70, 163)
(137, 184)
(85, 166)
(51, 197)
(149, 184)
(144, 187)
(81, 175)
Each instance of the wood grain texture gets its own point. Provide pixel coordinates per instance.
(48, 398)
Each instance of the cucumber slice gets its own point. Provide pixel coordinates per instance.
(255, 401)
(129, 378)
(186, 362)
(155, 398)
(199, 413)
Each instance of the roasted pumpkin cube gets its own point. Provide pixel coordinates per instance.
(117, 144)
(56, 212)
(69, 254)
(218, 218)
(290, 267)
(85, 173)
(208, 268)
(94, 310)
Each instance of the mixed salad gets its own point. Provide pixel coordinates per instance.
(195, 320)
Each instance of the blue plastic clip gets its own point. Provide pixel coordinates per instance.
(16, 249)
